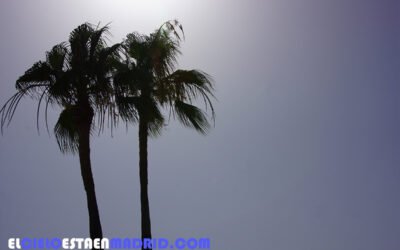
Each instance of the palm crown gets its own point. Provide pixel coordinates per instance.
(147, 80)
(75, 76)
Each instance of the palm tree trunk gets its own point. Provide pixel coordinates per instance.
(144, 196)
(87, 176)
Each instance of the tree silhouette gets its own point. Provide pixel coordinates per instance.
(146, 83)
(77, 76)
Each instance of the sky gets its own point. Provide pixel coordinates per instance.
(304, 155)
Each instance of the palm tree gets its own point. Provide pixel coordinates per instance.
(76, 76)
(147, 82)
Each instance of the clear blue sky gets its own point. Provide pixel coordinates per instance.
(305, 153)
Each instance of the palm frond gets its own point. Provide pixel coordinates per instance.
(79, 41)
(66, 130)
(135, 46)
(163, 51)
(35, 78)
(56, 57)
(8, 109)
(187, 85)
(97, 41)
(172, 26)
(191, 116)
(155, 118)
(128, 107)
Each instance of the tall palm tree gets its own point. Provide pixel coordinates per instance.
(76, 76)
(147, 83)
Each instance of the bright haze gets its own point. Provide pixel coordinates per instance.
(304, 155)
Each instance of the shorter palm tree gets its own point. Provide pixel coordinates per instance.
(147, 82)
(76, 76)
